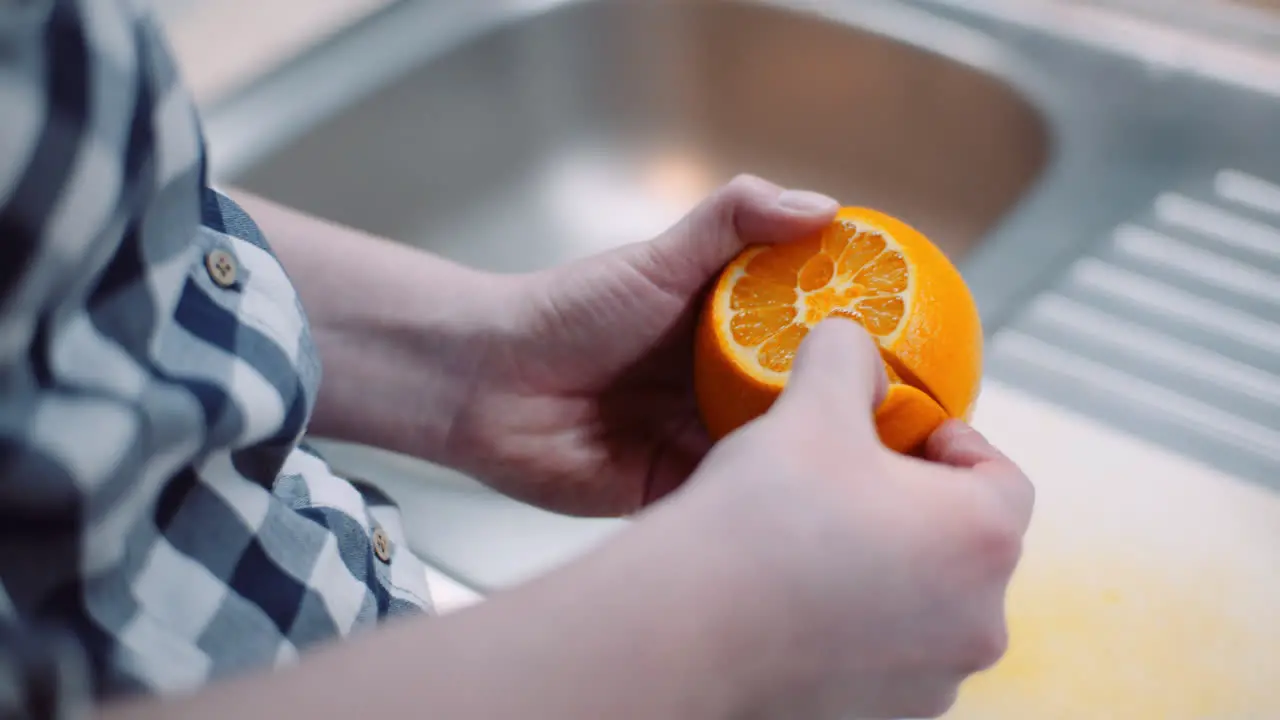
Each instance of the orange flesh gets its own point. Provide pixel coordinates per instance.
(849, 270)
(870, 268)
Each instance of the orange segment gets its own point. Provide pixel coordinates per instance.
(817, 272)
(866, 266)
(777, 353)
(752, 327)
(783, 262)
(858, 249)
(887, 273)
(754, 292)
(881, 315)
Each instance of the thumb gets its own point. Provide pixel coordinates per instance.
(838, 373)
(746, 211)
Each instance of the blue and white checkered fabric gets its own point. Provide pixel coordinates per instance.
(160, 526)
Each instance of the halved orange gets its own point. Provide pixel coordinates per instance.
(868, 267)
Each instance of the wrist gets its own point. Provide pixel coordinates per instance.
(401, 333)
(759, 623)
(403, 360)
(709, 611)
(651, 625)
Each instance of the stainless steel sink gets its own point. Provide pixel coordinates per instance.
(600, 123)
(1110, 200)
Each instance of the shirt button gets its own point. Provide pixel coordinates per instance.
(222, 268)
(381, 545)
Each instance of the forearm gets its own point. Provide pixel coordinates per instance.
(634, 631)
(400, 332)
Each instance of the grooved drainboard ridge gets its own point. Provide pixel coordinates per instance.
(1170, 330)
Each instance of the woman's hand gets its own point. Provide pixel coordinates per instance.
(873, 583)
(584, 405)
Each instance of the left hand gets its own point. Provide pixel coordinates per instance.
(587, 407)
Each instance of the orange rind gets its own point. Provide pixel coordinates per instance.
(865, 266)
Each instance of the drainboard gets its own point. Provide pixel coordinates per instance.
(1169, 329)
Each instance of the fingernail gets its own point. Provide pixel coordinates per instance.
(964, 431)
(806, 201)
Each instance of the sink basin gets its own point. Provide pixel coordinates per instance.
(515, 135)
(600, 123)
(1114, 203)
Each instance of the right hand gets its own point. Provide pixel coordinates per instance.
(877, 581)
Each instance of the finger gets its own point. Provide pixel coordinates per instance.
(1014, 488)
(959, 445)
(837, 371)
(675, 459)
(909, 695)
(746, 211)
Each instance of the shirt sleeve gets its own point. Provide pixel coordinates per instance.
(44, 673)
(41, 133)
(47, 156)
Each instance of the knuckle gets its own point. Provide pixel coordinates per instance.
(743, 189)
(720, 209)
(996, 540)
(1026, 488)
(930, 704)
(1014, 484)
(743, 182)
(985, 648)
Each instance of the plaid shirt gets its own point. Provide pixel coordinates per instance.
(160, 524)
